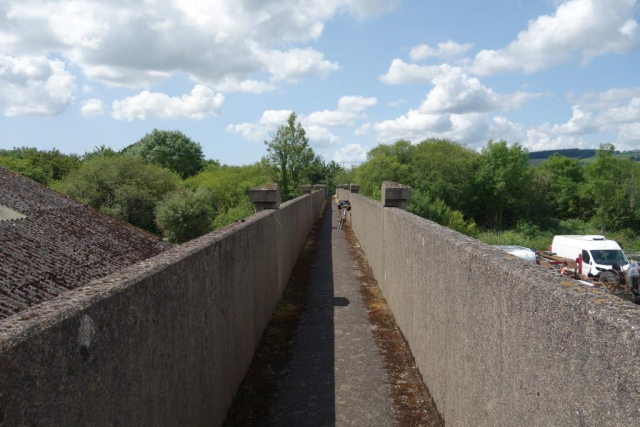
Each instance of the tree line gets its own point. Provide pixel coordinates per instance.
(163, 183)
(497, 190)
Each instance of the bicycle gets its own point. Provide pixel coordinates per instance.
(343, 216)
(344, 206)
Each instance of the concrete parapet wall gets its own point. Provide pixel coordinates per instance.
(164, 342)
(499, 341)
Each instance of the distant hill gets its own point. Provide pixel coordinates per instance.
(584, 155)
(575, 153)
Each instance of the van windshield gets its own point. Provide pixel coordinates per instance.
(609, 256)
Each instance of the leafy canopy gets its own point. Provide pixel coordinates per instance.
(169, 149)
(289, 155)
(44, 166)
(185, 214)
(124, 187)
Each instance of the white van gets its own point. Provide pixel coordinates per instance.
(598, 253)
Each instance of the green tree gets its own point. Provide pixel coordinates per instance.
(124, 187)
(185, 214)
(612, 185)
(344, 176)
(169, 149)
(289, 155)
(325, 173)
(384, 163)
(503, 183)
(100, 152)
(445, 170)
(560, 178)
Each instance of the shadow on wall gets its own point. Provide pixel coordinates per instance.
(293, 368)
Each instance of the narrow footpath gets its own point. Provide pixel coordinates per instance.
(332, 354)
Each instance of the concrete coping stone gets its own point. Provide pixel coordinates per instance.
(354, 188)
(305, 188)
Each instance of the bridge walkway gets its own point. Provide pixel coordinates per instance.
(332, 354)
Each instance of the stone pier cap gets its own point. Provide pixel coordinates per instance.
(305, 188)
(395, 195)
(265, 197)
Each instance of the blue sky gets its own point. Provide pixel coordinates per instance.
(548, 74)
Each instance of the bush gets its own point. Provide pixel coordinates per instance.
(185, 214)
(511, 237)
(244, 209)
(124, 187)
(24, 167)
(527, 228)
(230, 185)
(438, 211)
(41, 166)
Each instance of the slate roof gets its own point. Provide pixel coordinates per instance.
(59, 244)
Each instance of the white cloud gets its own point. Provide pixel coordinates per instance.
(615, 111)
(473, 129)
(321, 136)
(231, 84)
(448, 49)
(200, 103)
(92, 107)
(267, 123)
(607, 99)
(293, 65)
(249, 131)
(578, 28)
(315, 124)
(363, 129)
(224, 44)
(87, 89)
(396, 102)
(350, 108)
(355, 103)
(350, 154)
(455, 108)
(275, 117)
(414, 126)
(629, 136)
(401, 72)
(456, 92)
(330, 118)
(364, 8)
(34, 85)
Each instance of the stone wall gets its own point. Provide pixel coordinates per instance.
(164, 342)
(500, 341)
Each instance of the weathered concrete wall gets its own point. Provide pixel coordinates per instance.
(499, 341)
(164, 342)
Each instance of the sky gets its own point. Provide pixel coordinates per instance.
(547, 74)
